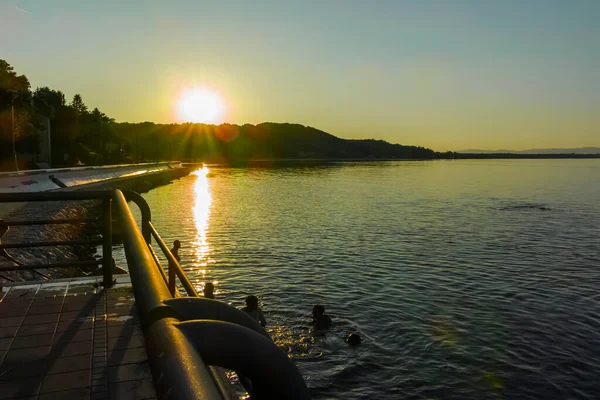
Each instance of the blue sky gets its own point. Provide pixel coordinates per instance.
(443, 74)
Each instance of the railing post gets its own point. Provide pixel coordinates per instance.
(145, 228)
(130, 195)
(107, 260)
(172, 287)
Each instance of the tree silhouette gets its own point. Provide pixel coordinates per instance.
(79, 105)
(15, 113)
(95, 138)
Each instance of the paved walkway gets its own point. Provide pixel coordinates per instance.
(70, 339)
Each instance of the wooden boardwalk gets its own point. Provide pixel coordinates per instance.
(71, 339)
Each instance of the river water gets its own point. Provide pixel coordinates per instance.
(471, 279)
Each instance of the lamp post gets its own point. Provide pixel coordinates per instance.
(12, 118)
(49, 140)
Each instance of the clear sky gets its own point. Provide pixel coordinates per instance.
(445, 74)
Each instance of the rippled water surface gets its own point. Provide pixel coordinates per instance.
(466, 279)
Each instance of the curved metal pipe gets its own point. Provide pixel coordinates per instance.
(228, 345)
(137, 198)
(191, 308)
(179, 372)
(148, 284)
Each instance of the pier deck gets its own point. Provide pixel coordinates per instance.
(72, 339)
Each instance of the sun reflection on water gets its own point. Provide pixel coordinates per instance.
(201, 211)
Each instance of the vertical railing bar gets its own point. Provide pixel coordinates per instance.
(107, 263)
(158, 264)
(172, 281)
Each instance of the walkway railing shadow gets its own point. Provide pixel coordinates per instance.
(37, 368)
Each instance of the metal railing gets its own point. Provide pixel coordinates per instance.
(175, 269)
(184, 374)
(105, 231)
(186, 337)
(187, 333)
(148, 232)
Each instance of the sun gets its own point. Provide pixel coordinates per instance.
(200, 105)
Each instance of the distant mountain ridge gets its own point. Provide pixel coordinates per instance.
(240, 144)
(576, 150)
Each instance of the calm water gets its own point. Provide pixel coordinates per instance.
(466, 279)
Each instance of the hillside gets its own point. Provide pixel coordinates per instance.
(79, 134)
(234, 144)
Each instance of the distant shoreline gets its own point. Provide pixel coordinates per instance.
(516, 156)
(441, 156)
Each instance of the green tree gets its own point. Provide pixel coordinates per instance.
(47, 101)
(64, 123)
(99, 136)
(15, 113)
(79, 105)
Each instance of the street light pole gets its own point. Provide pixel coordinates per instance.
(12, 112)
(49, 144)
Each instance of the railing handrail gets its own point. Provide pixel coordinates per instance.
(213, 327)
(168, 348)
(62, 221)
(85, 263)
(148, 285)
(171, 324)
(54, 196)
(81, 242)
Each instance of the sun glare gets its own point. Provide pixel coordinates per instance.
(200, 105)
(201, 209)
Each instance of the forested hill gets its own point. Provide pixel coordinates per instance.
(80, 136)
(234, 143)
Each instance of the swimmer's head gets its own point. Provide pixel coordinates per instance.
(354, 339)
(252, 302)
(318, 310)
(209, 287)
(177, 244)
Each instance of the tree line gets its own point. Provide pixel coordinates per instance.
(83, 137)
(76, 132)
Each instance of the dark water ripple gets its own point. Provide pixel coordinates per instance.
(467, 280)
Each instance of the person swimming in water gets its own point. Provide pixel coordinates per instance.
(354, 339)
(320, 319)
(209, 290)
(254, 311)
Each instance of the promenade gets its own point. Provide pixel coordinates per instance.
(72, 339)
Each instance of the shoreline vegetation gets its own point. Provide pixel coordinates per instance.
(82, 137)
